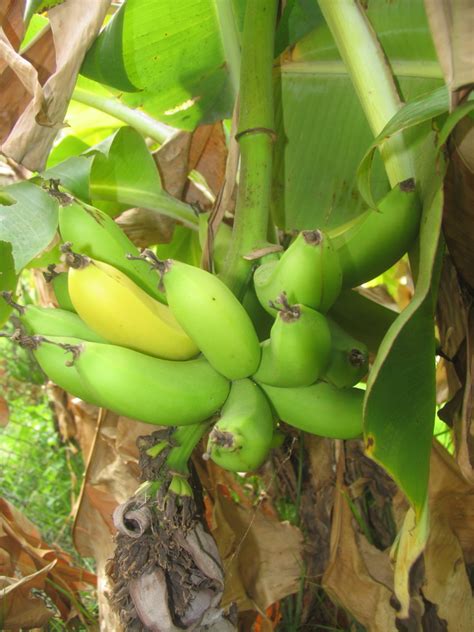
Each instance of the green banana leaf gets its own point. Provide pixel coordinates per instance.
(8, 278)
(322, 134)
(124, 173)
(28, 221)
(174, 55)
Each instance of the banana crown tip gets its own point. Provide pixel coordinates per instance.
(222, 438)
(313, 237)
(73, 259)
(288, 313)
(357, 357)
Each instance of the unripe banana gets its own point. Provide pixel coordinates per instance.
(47, 321)
(320, 409)
(213, 317)
(261, 319)
(308, 272)
(242, 438)
(95, 234)
(124, 314)
(156, 391)
(61, 292)
(299, 347)
(374, 244)
(349, 358)
(58, 281)
(363, 318)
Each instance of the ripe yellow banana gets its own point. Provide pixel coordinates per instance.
(321, 409)
(124, 314)
(242, 437)
(213, 317)
(156, 391)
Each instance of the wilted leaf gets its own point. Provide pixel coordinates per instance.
(347, 578)
(261, 556)
(19, 608)
(57, 574)
(451, 26)
(40, 113)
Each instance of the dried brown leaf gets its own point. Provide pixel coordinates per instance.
(145, 227)
(347, 578)
(452, 26)
(20, 609)
(35, 116)
(207, 155)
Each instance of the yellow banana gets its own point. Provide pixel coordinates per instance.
(242, 437)
(124, 314)
(156, 391)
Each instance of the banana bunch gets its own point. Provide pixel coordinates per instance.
(168, 343)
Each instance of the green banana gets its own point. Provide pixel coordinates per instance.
(61, 292)
(320, 409)
(363, 318)
(48, 321)
(95, 234)
(164, 392)
(59, 282)
(375, 243)
(261, 319)
(349, 358)
(308, 272)
(212, 317)
(242, 437)
(299, 347)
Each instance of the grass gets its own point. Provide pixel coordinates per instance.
(41, 474)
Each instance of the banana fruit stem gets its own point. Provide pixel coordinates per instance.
(255, 136)
(187, 438)
(372, 79)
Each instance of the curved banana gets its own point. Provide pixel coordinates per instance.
(242, 437)
(373, 245)
(308, 272)
(59, 282)
(213, 317)
(156, 391)
(320, 409)
(124, 314)
(47, 321)
(299, 347)
(95, 234)
(349, 358)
